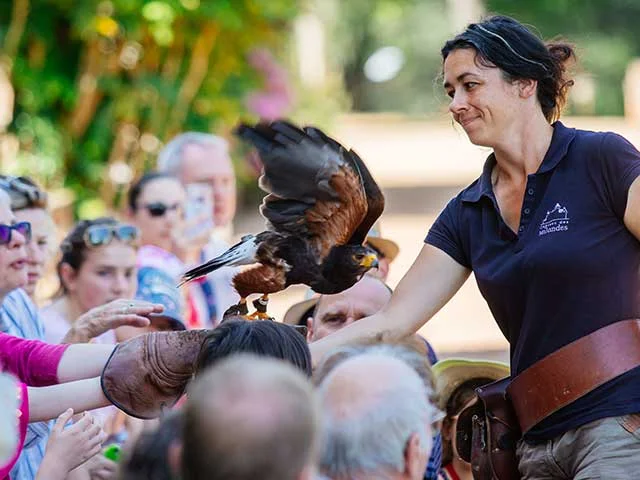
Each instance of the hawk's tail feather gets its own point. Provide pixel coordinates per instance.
(242, 253)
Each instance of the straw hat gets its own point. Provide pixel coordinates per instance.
(388, 248)
(297, 313)
(453, 372)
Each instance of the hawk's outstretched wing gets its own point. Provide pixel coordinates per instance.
(316, 188)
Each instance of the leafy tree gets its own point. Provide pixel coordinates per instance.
(101, 84)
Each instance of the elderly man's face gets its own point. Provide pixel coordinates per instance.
(334, 312)
(210, 164)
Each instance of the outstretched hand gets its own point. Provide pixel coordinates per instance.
(118, 313)
(70, 447)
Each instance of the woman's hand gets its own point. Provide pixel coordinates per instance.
(112, 315)
(70, 447)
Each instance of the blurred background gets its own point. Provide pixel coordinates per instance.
(91, 90)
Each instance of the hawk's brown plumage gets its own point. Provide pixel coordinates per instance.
(321, 202)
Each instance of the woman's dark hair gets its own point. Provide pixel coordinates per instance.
(458, 399)
(138, 186)
(149, 457)
(505, 43)
(73, 247)
(23, 192)
(271, 339)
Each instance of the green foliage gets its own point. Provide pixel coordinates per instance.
(103, 82)
(605, 32)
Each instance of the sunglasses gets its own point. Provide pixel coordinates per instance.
(158, 209)
(99, 235)
(6, 232)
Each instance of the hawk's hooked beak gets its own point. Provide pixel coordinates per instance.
(369, 261)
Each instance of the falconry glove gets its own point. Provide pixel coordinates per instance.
(150, 372)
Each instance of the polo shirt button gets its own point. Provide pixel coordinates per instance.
(530, 191)
(527, 211)
(521, 229)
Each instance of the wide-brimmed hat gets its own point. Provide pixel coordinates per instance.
(156, 286)
(453, 372)
(388, 248)
(299, 312)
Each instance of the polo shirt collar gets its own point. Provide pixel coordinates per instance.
(560, 141)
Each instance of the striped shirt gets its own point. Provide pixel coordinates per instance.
(19, 317)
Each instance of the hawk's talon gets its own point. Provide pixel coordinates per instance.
(259, 316)
(240, 309)
(261, 304)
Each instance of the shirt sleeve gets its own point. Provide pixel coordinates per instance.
(620, 162)
(445, 233)
(32, 361)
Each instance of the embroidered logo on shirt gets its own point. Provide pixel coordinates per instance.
(556, 220)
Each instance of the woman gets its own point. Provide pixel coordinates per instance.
(456, 381)
(156, 206)
(29, 204)
(98, 266)
(550, 231)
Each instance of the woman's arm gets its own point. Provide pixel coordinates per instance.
(82, 361)
(429, 284)
(46, 403)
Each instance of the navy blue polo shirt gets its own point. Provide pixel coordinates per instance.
(571, 268)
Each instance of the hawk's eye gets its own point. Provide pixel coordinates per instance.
(358, 257)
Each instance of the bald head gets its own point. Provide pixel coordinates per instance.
(250, 417)
(364, 396)
(334, 312)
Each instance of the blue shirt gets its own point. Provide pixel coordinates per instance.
(571, 268)
(19, 317)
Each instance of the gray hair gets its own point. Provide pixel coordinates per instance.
(250, 417)
(170, 157)
(374, 438)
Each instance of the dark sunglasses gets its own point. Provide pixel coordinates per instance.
(158, 209)
(6, 231)
(99, 235)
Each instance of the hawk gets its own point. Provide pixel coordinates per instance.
(321, 202)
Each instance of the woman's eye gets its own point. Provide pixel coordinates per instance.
(470, 85)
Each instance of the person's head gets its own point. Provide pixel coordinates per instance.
(499, 74)
(456, 381)
(156, 286)
(203, 158)
(29, 204)
(98, 262)
(156, 453)
(250, 417)
(13, 254)
(156, 206)
(377, 419)
(333, 312)
(263, 338)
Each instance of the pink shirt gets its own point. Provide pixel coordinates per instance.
(32, 361)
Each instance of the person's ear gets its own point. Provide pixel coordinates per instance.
(309, 329)
(415, 459)
(174, 458)
(527, 87)
(68, 277)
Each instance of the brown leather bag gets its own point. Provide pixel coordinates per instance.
(488, 430)
(487, 434)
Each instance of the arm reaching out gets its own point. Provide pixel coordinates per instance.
(429, 284)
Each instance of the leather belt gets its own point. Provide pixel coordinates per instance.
(574, 370)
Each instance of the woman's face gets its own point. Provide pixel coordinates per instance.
(482, 101)
(159, 212)
(107, 273)
(13, 255)
(40, 248)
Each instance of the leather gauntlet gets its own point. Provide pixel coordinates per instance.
(150, 372)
